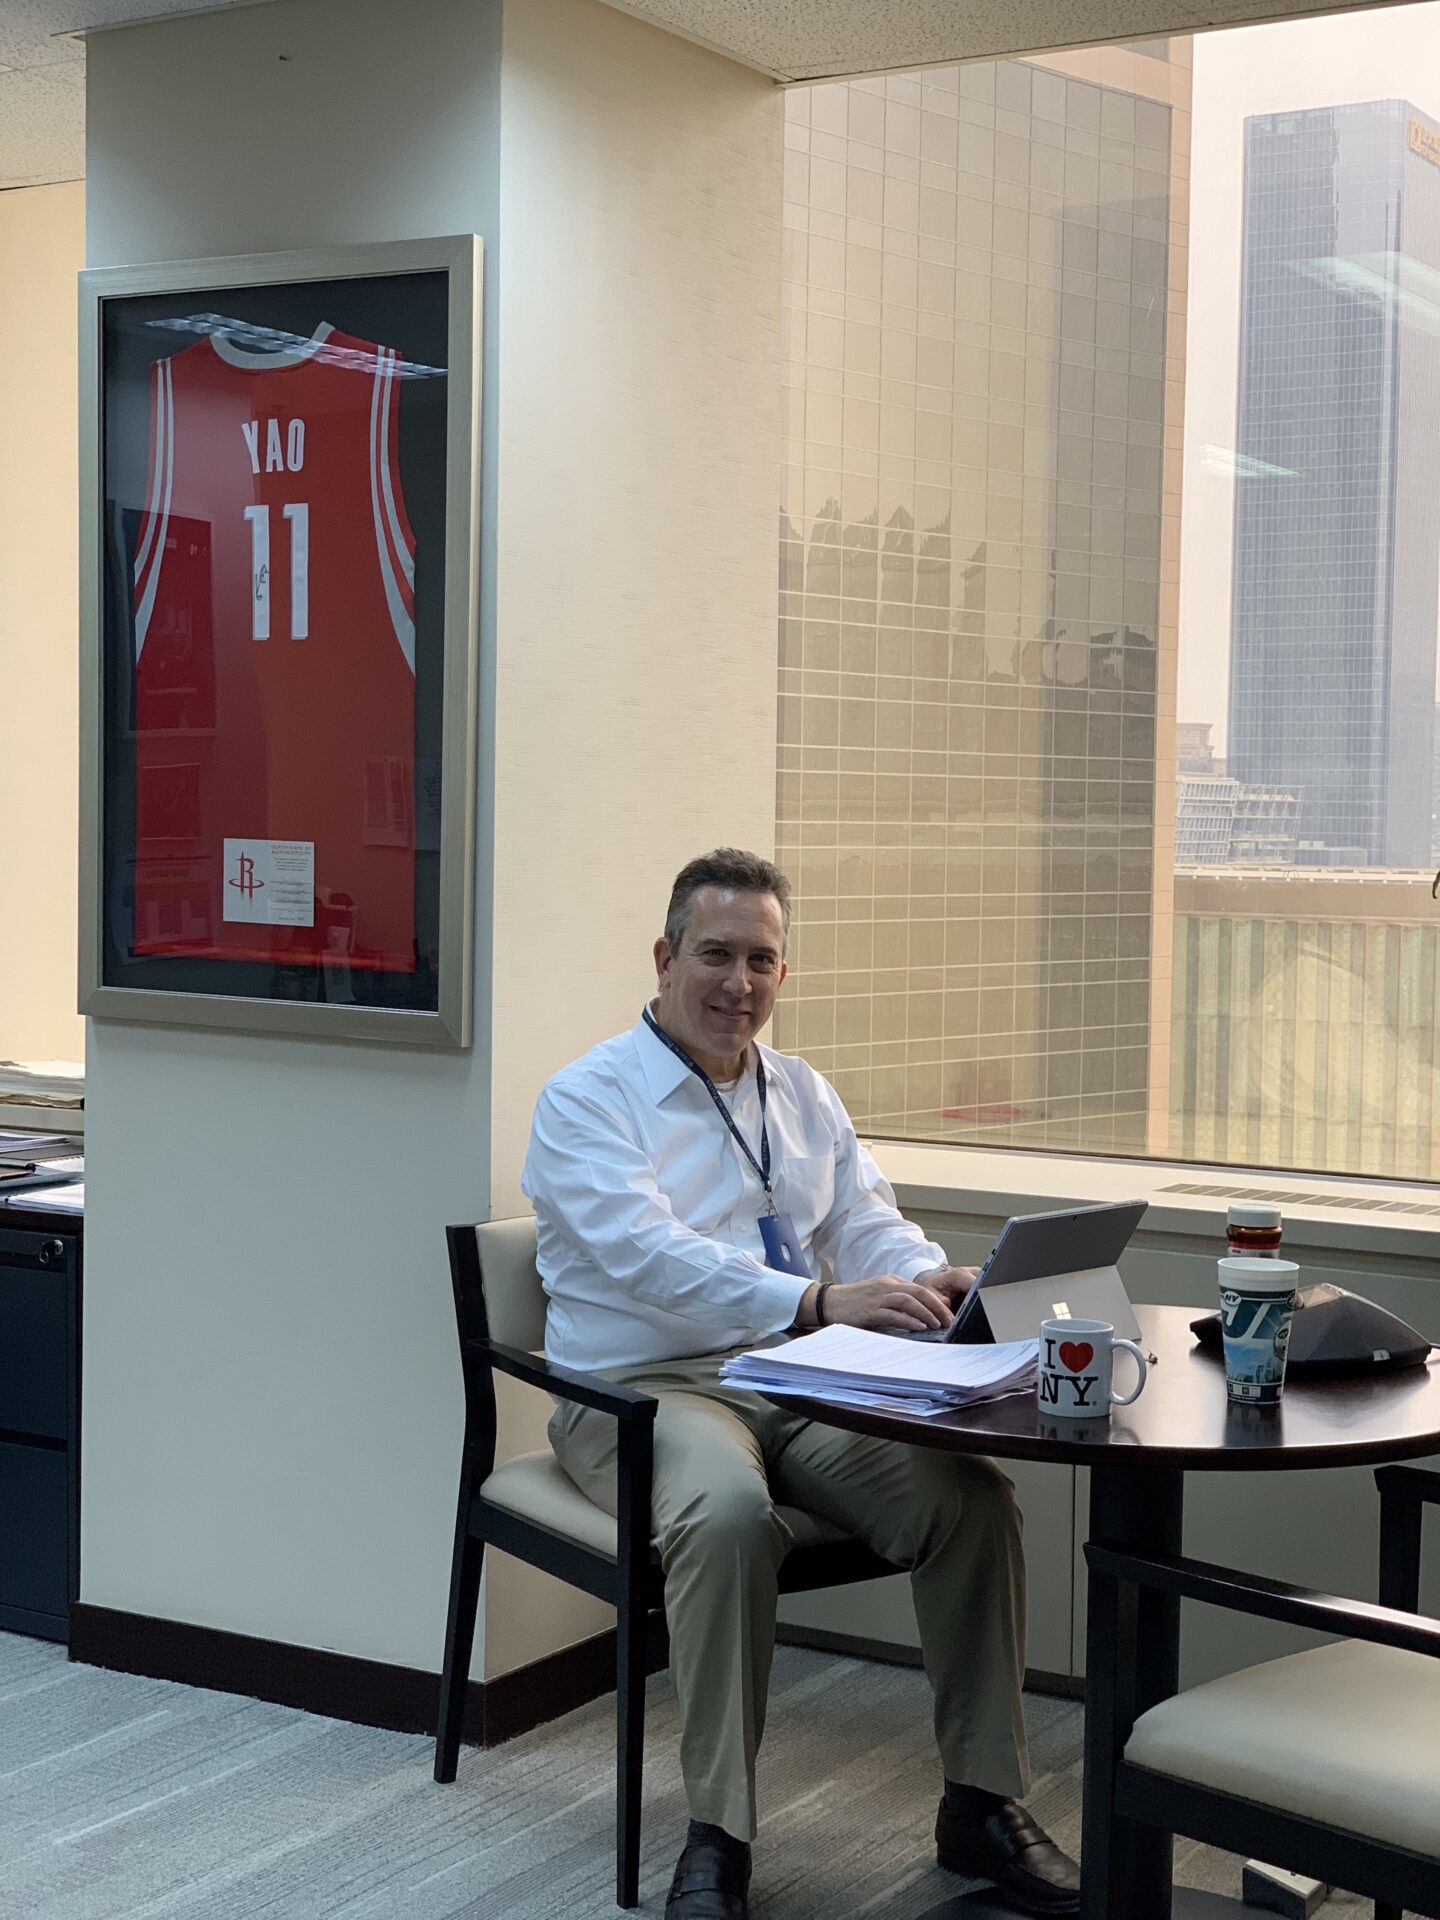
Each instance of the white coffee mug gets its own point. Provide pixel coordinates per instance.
(1077, 1366)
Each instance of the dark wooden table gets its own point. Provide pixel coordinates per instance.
(1138, 1460)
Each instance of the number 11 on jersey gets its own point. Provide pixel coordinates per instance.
(297, 512)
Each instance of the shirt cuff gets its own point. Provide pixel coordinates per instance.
(924, 1260)
(777, 1300)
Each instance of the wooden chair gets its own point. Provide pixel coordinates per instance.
(1325, 1762)
(530, 1508)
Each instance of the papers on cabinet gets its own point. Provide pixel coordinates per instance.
(19, 1144)
(44, 1083)
(66, 1199)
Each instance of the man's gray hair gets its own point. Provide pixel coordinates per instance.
(726, 867)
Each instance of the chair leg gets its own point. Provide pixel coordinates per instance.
(630, 1624)
(459, 1640)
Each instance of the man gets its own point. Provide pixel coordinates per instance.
(688, 1184)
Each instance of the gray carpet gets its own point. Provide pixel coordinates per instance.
(130, 1799)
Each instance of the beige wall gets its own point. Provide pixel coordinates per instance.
(42, 239)
(639, 460)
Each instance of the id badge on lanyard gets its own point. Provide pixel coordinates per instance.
(777, 1230)
(782, 1244)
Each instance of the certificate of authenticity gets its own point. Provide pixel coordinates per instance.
(270, 882)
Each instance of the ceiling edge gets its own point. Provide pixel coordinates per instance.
(1216, 16)
(638, 12)
(191, 12)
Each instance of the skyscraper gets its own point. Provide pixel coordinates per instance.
(1337, 508)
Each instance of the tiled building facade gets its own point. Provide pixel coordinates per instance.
(985, 286)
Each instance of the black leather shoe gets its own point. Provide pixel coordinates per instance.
(712, 1877)
(1008, 1847)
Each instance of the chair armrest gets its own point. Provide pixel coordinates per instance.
(1403, 1493)
(1411, 1483)
(633, 1412)
(626, 1404)
(1269, 1599)
(635, 1451)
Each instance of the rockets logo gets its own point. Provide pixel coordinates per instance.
(244, 879)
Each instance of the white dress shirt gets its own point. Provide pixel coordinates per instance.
(647, 1213)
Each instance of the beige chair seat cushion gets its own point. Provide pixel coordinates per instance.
(1347, 1734)
(536, 1487)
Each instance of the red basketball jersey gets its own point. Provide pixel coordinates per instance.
(274, 607)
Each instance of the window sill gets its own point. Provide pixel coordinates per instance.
(993, 1183)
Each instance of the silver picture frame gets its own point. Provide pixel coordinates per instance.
(447, 1023)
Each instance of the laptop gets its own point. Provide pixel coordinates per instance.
(1044, 1266)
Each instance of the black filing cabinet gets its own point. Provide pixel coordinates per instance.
(39, 1422)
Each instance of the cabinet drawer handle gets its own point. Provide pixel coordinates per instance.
(51, 1252)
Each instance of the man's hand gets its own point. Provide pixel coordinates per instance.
(887, 1304)
(952, 1283)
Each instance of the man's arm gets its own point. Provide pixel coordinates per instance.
(588, 1173)
(864, 1232)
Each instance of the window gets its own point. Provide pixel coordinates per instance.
(1107, 662)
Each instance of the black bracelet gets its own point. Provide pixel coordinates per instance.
(820, 1293)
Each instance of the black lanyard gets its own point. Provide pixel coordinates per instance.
(762, 1165)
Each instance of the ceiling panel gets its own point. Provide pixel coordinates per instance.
(42, 125)
(29, 28)
(42, 81)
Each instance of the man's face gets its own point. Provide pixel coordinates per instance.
(716, 993)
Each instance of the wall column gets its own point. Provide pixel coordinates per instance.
(272, 1397)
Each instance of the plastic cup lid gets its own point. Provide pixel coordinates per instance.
(1251, 1216)
(1258, 1276)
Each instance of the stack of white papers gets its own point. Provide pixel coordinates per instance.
(854, 1368)
(70, 1164)
(67, 1199)
(25, 1146)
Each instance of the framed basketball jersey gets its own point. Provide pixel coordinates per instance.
(281, 585)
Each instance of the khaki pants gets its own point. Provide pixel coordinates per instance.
(723, 1458)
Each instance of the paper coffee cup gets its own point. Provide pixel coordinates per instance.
(1257, 1306)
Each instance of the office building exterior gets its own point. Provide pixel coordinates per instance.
(1266, 826)
(1220, 821)
(1194, 749)
(1337, 514)
(979, 556)
(1307, 1008)
(1204, 818)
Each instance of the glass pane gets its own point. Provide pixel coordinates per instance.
(1109, 562)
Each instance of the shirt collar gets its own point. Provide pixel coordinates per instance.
(663, 1071)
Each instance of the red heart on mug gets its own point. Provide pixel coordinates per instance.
(1076, 1355)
